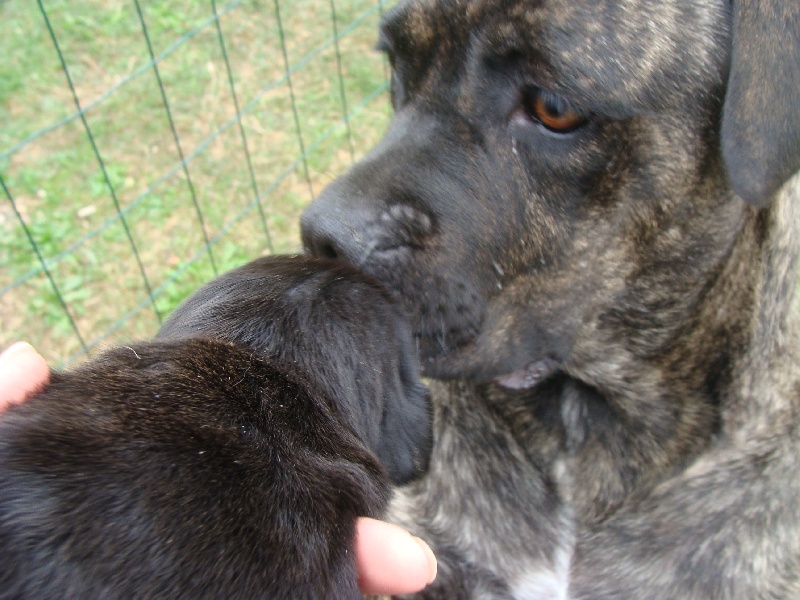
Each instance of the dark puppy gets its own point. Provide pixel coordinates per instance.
(228, 458)
(338, 326)
(581, 203)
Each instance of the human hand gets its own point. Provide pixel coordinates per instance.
(388, 558)
(23, 372)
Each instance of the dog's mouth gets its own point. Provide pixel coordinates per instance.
(483, 346)
(530, 376)
(470, 361)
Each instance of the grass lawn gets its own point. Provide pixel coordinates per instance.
(139, 218)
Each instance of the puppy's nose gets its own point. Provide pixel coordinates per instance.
(356, 228)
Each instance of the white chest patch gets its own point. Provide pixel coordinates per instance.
(545, 584)
(540, 586)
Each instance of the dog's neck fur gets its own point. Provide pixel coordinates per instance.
(768, 382)
(645, 418)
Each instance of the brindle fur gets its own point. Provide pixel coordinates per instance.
(610, 315)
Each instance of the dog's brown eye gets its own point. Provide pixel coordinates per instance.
(552, 111)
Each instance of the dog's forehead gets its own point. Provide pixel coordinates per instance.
(623, 53)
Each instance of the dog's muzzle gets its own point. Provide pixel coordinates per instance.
(345, 227)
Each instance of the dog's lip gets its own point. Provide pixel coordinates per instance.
(453, 366)
(529, 376)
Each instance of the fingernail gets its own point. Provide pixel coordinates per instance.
(432, 564)
(13, 351)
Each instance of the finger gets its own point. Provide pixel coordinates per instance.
(23, 372)
(390, 560)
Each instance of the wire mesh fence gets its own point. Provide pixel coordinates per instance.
(146, 146)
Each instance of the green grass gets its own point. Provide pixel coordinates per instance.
(64, 197)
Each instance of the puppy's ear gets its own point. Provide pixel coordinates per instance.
(761, 118)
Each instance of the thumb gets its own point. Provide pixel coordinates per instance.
(23, 372)
(390, 560)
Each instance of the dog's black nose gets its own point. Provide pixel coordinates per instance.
(331, 230)
(347, 224)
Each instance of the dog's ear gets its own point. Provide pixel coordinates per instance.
(761, 115)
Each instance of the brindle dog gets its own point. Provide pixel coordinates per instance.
(228, 458)
(588, 206)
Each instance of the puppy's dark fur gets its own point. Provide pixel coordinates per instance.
(229, 457)
(610, 310)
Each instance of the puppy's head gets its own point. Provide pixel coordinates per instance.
(552, 190)
(340, 327)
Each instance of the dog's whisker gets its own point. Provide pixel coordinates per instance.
(134, 352)
(368, 251)
(442, 337)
